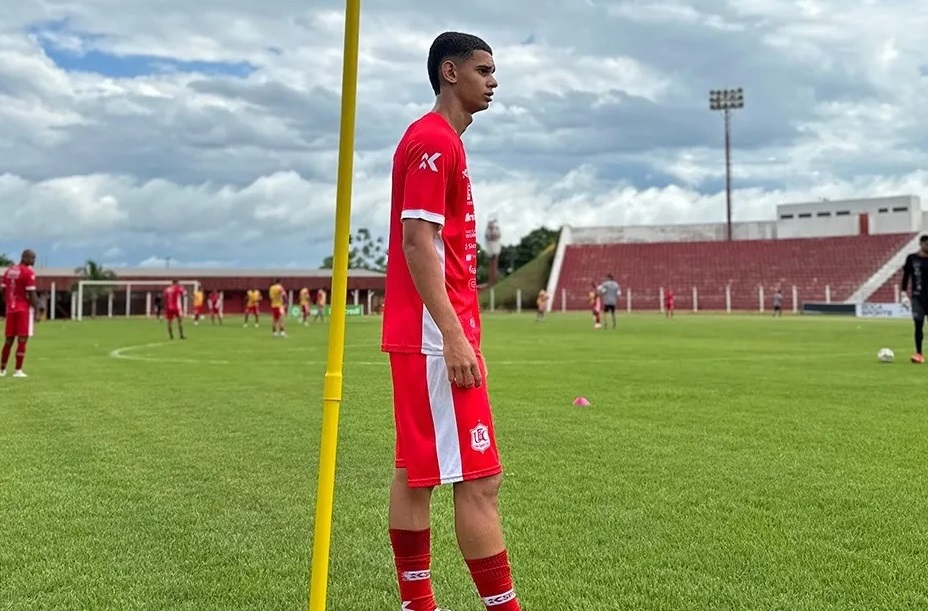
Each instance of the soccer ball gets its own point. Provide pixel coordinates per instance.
(885, 355)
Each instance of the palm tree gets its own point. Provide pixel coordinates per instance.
(5, 261)
(91, 270)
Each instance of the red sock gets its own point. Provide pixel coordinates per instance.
(20, 354)
(493, 579)
(412, 555)
(5, 356)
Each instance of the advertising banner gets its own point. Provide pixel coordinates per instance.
(883, 310)
(351, 310)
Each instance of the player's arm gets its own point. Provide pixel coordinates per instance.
(428, 276)
(907, 274)
(31, 292)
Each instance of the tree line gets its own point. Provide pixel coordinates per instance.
(365, 251)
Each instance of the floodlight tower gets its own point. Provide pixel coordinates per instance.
(727, 100)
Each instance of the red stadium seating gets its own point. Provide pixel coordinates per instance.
(809, 264)
(887, 292)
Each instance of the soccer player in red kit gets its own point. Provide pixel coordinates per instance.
(668, 303)
(214, 312)
(431, 330)
(173, 308)
(21, 305)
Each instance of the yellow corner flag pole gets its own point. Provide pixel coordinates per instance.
(332, 393)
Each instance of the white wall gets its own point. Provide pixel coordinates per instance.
(826, 219)
(564, 240)
(895, 214)
(818, 227)
(758, 230)
(894, 222)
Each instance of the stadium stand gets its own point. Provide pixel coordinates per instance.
(820, 252)
(809, 264)
(889, 290)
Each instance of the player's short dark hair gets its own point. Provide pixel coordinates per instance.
(923, 239)
(452, 45)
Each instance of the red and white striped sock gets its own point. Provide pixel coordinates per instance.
(412, 555)
(493, 578)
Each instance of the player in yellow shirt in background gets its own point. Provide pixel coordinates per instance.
(304, 304)
(197, 304)
(277, 295)
(252, 300)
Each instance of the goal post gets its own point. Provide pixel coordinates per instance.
(89, 287)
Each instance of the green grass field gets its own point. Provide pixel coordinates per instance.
(726, 463)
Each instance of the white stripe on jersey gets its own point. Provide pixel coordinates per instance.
(423, 215)
(432, 340)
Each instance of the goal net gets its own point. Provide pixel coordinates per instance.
(109, 298)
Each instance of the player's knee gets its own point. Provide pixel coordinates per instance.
(480, 492)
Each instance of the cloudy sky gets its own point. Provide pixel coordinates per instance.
(207, 132)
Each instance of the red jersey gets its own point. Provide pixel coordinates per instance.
(214, 299)
(430, 182)
(173, 298)
(18, 280)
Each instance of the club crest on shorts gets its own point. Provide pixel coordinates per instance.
(480, 438)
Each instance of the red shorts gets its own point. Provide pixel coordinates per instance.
(251, 310)
(198, 309)
(444, 434)
(171, 314)
(20, 324)
(305, 310)
(277, 312)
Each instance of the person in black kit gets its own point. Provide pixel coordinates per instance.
(916, 271)
(159, 303)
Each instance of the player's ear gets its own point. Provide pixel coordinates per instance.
(449, 71)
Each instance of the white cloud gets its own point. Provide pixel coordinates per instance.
(601, 117)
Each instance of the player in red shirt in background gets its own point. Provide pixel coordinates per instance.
(668, 303)
(321, 298)
(431, 330)
(174, 307)
(214, 312)
(21, 305)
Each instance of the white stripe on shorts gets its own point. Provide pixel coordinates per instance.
(441, 401)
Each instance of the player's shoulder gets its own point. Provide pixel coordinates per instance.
(431, 132)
